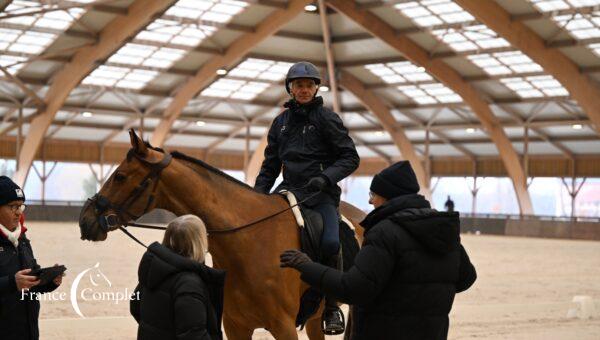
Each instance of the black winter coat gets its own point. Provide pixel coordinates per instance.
(307, 141)
(405, 276)
(178, 298)
(19, 312)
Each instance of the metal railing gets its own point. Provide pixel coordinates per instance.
(61, 203)
(470, 215)
(532, 217)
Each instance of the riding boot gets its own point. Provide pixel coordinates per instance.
(332, 320)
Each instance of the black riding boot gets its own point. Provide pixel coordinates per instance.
(332, 320)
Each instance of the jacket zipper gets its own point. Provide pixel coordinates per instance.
(303, 136)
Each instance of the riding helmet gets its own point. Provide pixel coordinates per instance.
(302, 69)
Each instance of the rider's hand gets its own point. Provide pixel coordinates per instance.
(317, 183)
(25, 281)
(293, 258)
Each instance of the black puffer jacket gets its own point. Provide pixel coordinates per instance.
(308, 140)
(19, 312)
(178, 298)
(405, 276)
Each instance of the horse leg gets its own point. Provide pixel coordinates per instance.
(235, 331)
(313, 329)
(284, 331)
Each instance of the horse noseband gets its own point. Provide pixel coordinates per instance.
(101, 205)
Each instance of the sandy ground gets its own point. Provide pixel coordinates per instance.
(524, 289)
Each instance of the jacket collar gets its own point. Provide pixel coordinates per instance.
(303, 109)
(169, 262)
(392, 206)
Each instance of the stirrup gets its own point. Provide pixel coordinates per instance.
(333, 328)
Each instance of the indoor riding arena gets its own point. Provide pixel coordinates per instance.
(495, 104)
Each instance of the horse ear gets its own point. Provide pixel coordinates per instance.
(137, 143)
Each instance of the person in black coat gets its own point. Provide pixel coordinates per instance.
(408, 270)
(19, 299)
(312, 146)
(178, 296)
(449, 205)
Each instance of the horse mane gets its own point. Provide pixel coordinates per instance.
(182, 156)
(179, 155)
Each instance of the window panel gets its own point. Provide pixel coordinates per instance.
(470, 38)
(505, 63)
(535, 86)
(428, 13)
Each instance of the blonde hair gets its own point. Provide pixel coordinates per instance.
(186, 235)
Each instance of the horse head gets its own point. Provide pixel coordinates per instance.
(127, 194)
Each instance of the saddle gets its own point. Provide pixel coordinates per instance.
(310, 225)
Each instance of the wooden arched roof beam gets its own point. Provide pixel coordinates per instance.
(255, 162)
(207, 73)
(371, 101)
(113, 36)
(556, 63)
(453, 80)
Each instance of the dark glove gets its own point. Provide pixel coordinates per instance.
(317, 183)
(293, 258)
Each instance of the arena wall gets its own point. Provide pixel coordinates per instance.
(581, 230)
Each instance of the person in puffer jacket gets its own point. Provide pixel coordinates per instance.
(178, 296)
(408, 270)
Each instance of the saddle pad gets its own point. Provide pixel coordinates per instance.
(298, 214)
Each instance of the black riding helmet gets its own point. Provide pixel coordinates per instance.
(302, 69)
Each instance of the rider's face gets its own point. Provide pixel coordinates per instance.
(303, 90)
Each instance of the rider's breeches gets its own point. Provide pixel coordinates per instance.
(330, 241)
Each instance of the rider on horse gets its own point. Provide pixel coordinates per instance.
(312, 145)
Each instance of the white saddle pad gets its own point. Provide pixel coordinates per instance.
(296, 210)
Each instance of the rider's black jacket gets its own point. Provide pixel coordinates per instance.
(306, 141)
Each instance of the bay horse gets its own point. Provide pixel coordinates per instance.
(258, 293)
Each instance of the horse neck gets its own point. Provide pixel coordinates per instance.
(220, 202)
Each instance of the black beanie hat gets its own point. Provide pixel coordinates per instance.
(396, 180)
(10, 191)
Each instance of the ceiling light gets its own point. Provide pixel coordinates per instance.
(221, 71)
(324, 88)
(577, 126)
(87, 114)
(310, 8)
(470, 130)
(200, 123)
(379, 133)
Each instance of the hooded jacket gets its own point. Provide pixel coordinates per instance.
(177, 298)
(308, 141)
(19, 312)
(405, 276)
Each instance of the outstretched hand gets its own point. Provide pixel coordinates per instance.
(293, 258)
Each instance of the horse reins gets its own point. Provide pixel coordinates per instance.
(102, 204)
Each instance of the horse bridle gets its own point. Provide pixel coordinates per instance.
(102, 204)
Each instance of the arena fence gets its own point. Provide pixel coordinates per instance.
(585, 228)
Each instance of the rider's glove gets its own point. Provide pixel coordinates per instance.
(318, 183)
